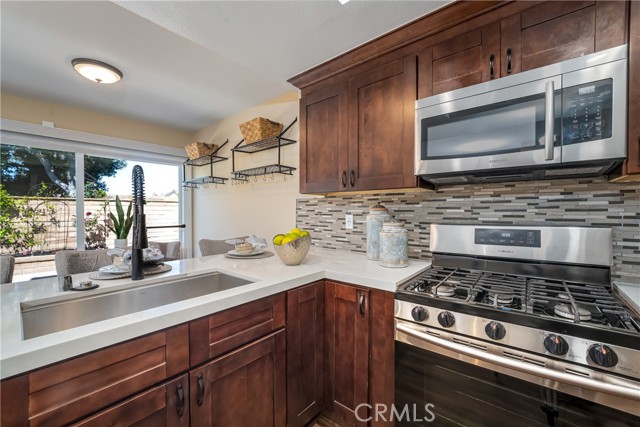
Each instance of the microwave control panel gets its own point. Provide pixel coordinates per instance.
(586, 112)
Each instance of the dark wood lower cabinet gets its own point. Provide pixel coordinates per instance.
(243, 388)
(305, 351)
(163, 406)
(347, 353)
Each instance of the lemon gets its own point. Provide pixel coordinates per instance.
(286, 240)
(295, 231)
(304, 233)
(277, 240)
(293, 236)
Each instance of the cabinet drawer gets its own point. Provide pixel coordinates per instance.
(70, 390)
(163, 406)
(222, 332)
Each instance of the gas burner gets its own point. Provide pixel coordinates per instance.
(445, 291)
(566, 311)
(502, 298)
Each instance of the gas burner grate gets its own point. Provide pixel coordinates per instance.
(536, 296)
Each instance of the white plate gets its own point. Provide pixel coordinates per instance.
(113, 269)
(254, 253)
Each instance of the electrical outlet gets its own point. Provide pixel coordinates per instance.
(348, 222)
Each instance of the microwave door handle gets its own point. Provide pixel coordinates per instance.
(549, 121)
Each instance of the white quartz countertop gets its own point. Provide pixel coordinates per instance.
(270, 276)
(630, 294)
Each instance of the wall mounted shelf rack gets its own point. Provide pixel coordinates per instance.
(275, 142)
(209, 160)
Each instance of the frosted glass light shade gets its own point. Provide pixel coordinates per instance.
(97, 71)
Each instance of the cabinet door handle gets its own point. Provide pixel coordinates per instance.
(344, 178)
(361, 304)
(352, 177)
(492, 74)
(509, 60)
(200, 394)
(180, 393)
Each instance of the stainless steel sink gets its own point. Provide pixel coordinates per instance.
(45, 318)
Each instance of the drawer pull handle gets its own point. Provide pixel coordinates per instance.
(492, 74)
(180, 393)
(200, 394)
(344, 178)
(509, 61)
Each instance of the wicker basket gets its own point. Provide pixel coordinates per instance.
(259, 128)
(199, 149)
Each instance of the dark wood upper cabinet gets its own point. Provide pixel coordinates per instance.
(324, 124)
(632, 165)
(467, 59)
(243, 388)
(305, 353)
(381, 108)
(163, 406)
(347, 352)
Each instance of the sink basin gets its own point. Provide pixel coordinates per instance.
(45, 318)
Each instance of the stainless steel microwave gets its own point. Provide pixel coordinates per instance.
(565, 119)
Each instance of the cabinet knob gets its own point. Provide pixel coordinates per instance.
(361, 304)
(200, 393)
(492, 73)
(509, 60)
(180, 407)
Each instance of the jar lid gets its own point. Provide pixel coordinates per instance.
(378, 207)
(393, 222)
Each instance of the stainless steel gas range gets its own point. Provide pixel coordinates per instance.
(517, 326)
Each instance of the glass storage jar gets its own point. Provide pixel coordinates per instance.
(377, 216)
(394, 242)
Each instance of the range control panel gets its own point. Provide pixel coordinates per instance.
(507, 237)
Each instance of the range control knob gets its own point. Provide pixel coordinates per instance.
(555, 344)
(495, 330)
(602, 355)
(419, 314)
(446, 319)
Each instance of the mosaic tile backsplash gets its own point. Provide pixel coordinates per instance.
(576, 202)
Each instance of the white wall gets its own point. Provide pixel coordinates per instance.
(263, 208)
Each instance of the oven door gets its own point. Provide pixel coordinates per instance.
(441, 382)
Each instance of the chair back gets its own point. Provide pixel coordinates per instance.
(76, 262)
(216, 247)
(7, 264)
(170, 250)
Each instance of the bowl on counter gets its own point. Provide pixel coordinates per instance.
(294, 252)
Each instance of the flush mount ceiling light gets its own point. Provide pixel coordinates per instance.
(343, 1)
(96, 71)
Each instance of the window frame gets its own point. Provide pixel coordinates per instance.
(83, 144)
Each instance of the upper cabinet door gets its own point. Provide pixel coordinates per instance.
(467, 59)
(633, 161)
(324, 124)
(381, 116)
(558, 30)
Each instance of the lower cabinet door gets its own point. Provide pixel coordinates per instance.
(166, 405)
(246, 387)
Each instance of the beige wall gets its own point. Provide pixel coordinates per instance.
(263, 208)
(65, 117)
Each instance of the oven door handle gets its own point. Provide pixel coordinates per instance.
(539, 371)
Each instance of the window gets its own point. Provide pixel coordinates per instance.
(58, 195)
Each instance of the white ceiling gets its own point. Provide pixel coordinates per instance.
(186, 64)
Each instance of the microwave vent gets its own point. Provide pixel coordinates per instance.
(588, 170)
